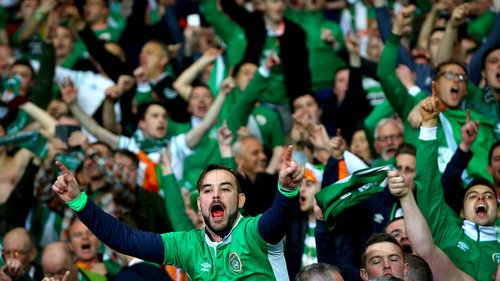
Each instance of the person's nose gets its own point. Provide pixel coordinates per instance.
(216, 193)
(387, 264)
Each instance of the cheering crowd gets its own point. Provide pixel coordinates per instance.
(249, 140)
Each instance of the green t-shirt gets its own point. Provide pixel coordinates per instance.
(241, 255)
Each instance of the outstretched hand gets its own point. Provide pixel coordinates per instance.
(291, 172)
(66, 185)
(397, 185)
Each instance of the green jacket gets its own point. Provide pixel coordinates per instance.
(472, 248)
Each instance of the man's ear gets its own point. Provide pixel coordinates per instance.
(462, 214)
(498, 213)
(241, 200)
(198, 203)
(141, 124)
(364, 274)
(489, 169)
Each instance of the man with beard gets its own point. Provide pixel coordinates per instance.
(230, 247)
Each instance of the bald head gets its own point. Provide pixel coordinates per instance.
(17, 244)
(57, 259)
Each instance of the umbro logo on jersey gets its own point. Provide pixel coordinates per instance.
(205, 267)
(235, 262)
(462, 246)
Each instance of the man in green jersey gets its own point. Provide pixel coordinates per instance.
(230, 247)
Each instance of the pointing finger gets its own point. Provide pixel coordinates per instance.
(66, 173)
(287, 158)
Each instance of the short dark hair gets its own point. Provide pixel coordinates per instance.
(480, 181)
(440, 67)
(487, 53)
(317, 272)
(406, 148)
(127, 153)
(437, 29)
(239, 178)
(26, 63)
(492, 148)
(143, 108)
(108, 147)
(305, 94)
(393, 220)
(379, 238)
(199, 84)
(419, 269)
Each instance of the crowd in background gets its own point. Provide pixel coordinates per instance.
(136, 98)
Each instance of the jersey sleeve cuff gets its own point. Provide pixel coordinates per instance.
(78, 203)
(286, 193)
(428, 134)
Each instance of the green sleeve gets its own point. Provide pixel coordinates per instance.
(174, 203)
(223, 26)
(480, 27)
(41, 93)
(394, 90)
(229, 162)
(245, 102)
(430, 194)
(230, 32)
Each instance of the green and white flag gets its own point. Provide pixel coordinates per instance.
(350, 191)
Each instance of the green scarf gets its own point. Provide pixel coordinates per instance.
(451, 123)
(345, 193)
(148, 145)
(33, 141)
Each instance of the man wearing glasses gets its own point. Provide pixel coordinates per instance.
(18, 254)
(450, 87)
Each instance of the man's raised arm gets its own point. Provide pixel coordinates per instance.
(420, 235)
(114, 233)
(274, 222)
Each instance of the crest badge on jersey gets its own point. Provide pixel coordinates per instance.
(235, 262)
(496, 258)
